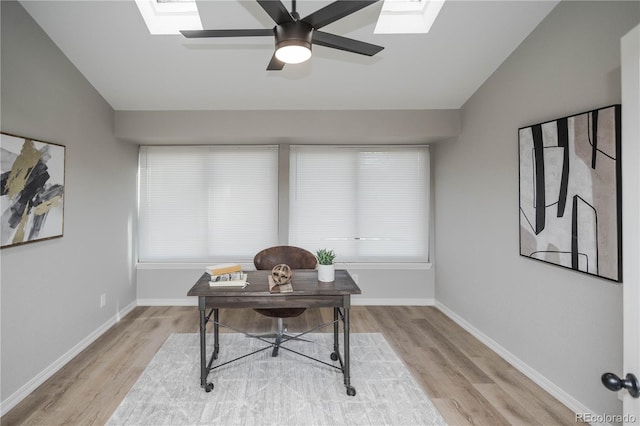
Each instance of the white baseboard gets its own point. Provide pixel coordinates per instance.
(188, 301)
(546, 384)
(356, 301)
(41, 377)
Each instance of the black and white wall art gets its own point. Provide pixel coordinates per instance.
(31, 190)
(570, 192)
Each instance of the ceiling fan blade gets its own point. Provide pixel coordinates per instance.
(227, 33)
(276, 10)
(275, 64)
(343, 43)
(334, 11)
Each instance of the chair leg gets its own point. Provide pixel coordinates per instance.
(283, 335)
(280, 335)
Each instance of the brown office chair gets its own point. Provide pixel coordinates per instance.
(296, 258)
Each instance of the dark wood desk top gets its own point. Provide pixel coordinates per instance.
(304, 282)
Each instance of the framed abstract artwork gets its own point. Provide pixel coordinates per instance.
(570, 192)
(31, 190)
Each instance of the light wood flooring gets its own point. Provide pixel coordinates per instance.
(468, 383)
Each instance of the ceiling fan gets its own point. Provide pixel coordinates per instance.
(294, 36)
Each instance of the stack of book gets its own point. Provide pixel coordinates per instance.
(227, 275)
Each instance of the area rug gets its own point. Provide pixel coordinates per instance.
(286, 390)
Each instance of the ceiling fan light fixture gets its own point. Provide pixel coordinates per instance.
(293, 42)
(293, 52)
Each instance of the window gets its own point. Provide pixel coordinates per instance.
(169, 16)
(366, 203)
(202, 203)
(407, 16)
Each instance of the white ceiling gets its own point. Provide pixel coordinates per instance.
(133, 70)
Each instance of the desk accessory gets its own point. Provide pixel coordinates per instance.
(235, 279)
(280, 279)
(281, 274)
(326, 267)
(223, 268)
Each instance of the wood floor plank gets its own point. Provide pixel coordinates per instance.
(539, 403)
(452, 412)
(511, 409)
(452, 353)
(468, 383)
(458, 336)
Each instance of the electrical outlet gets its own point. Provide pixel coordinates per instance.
(103, 300)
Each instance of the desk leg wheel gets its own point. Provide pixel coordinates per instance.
(351, 391)
(208, 387)
(334, 356)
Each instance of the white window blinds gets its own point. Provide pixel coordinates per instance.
(198, 204)
(366, 203)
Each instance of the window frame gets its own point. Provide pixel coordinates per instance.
(199, 259)
(372, 261)
(283, 203)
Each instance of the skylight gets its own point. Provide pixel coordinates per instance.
(407, 16)
(169, 16)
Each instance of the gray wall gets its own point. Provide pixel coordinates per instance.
(51, 290)
(292, 126)
(565, 325)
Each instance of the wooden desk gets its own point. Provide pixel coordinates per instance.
(308, 292)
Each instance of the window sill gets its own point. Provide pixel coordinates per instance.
(247, 266)
(383, 265)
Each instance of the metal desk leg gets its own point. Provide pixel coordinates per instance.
(204, 371)
(336, 330)
(351, 391)
(216, 333)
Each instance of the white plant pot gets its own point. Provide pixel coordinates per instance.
(326, 273)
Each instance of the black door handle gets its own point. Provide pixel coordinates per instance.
(615, 383)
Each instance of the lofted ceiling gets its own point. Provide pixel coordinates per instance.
(109, 43)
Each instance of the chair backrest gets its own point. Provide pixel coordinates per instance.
(295, 257)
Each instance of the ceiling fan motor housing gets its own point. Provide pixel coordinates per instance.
(297, 33)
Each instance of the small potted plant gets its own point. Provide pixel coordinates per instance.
(326, 268)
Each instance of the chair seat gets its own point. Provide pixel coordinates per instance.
(281, 312)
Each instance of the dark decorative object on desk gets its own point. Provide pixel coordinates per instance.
(281, 274)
